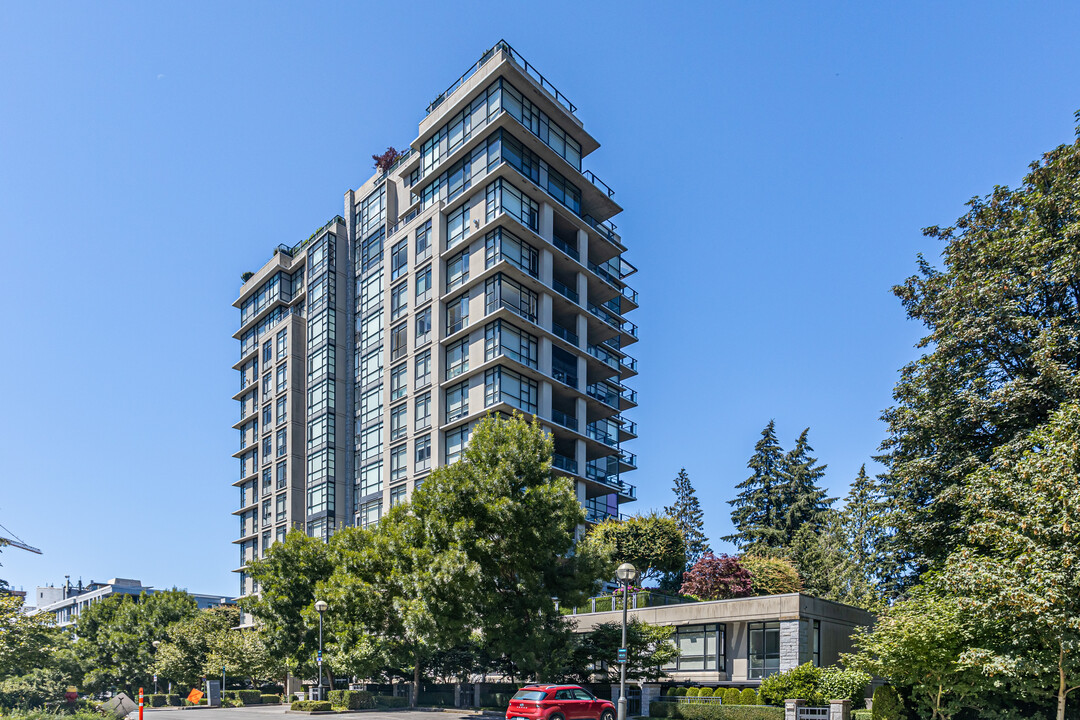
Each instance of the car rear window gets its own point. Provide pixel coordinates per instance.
(530, 695)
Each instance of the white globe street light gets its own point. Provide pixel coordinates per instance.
(627, 574)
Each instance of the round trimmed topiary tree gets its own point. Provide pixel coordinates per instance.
(749, 696)
(886, 704)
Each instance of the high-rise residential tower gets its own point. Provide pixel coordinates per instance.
(477, 273)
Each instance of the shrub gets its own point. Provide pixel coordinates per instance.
(731, 696)
(681, 691)
(292, 698)
(749, 696)
(351, 699)
(886, 705)
(173, 700)
(798, 682)
(714, 711)
(391, 702)
(311, 705)
(772, 576)
(692, 692)
(861, 714)
(716, 578)
(270, 699)
(156, 700)
(249, 697)
(838, 684)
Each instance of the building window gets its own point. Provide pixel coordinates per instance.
(422, 412)
(280, 507)
(398, 427)
(370, 481)
(279, 535)
(268, 416)
(456, 440)
(282, 344)
(397, 495)
(457, 314)
(267, 448)
(282, 441)
(399, 260)
(701, 648)
(502, 292)
(267, 385)
(423, 241)
(320, 466)
(369, 514)
(268, 352)
(457, 358)
(564, 191)
(764, 649)
(371, 331)
(371, 368)
(817, 643)
(398, 462)
(369, 293)
(370, 409)
(501, 338)
(282, 410)
(423, 327)
(282, 377)
(423, 285)
(320, 498)
(423, 369)
(282, 475)
(399, 300)
(399, 341)
(321, 364)
(457, 401)
(457, 270)
(371, 443)
(267, 481)
(267, 517)
(423, 454)
(502, 197)
(502, 385)
(398, 382)
(501, 245)
(457, 226)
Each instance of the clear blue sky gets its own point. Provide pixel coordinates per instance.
(776, 162)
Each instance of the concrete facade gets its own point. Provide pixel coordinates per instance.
(478, 274)
(803, 621)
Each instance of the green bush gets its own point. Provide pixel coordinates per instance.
(311, 705)
(292, 698)
(714, 711)
(250, 697)
(271, 700)
(173, 700)
(862, 714)
(749, 696)
(352, 699)
(156, 700)
(839, 684)
(692, 692)
(681, 691)
(731, 696)
(798, 682)
(886, 705)
(772, 576)
(389, 701)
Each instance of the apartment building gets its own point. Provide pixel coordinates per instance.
(477, 273)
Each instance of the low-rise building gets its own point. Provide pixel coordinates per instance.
(67, 601)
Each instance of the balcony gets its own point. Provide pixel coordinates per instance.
(565, 291)
(567, 248)
(564, 463)
(591, 177)
(601, 432)
(566, 420)
(559, 331)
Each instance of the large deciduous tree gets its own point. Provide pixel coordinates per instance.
(181, 657)
(1002, 349)
(652, 543)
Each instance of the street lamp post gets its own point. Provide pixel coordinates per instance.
(627, 574)
(156, 643)
(320, 606)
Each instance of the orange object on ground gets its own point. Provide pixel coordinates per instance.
(195, 696)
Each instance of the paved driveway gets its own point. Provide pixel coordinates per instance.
(277, 712)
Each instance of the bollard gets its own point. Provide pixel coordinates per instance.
(140, 703)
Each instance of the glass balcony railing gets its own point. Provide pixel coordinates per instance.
(601, 433)
(565, 376)
(564, 463)
(604, 356)
(564, 419)
(565, 334)
(604, 394)
(565, 291)
(567, 248)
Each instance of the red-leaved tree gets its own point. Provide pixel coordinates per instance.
(717, 578)
(384, 161)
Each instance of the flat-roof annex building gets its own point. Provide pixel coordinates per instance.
(477, 273)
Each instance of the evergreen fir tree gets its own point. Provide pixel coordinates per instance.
(758, 508)
(803, 502)
(687, 514)
(863, 523)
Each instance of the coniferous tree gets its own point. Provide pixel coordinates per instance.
(687, 514)
(758, 512)
(863, 524)
(802, 501)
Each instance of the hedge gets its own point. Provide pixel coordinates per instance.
(749, 696)
(352, 699)
(173, 700)
(390, 701)
(862, 714)
(311, 705)
(271, 700)
(715, 712)
(157, 700)
(886, 705)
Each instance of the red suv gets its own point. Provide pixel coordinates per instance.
(558, 702)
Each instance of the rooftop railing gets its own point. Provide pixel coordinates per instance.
(503, 46)
(591, 177)
(640, 599)
(300, 245)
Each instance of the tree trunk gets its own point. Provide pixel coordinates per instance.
(1062, 689)
(415, 681)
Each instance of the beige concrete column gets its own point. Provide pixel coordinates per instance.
(547, 266)
(839, 709)
(547, 221)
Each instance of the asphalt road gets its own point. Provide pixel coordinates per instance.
(277, 712)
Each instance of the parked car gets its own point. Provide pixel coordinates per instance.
(558, 702)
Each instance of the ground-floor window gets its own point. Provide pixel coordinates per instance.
(764, 649)
(701, 648)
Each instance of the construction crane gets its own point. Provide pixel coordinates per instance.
(15, 542)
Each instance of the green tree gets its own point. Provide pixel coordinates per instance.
(115, 636)
(652, 543)
(648, 649)
(771, 575)
(917, 643)
(181, 657)
(240, 653)
(1002, 350)
(1020, 563)
(687, 514)
(27, 641)
(497, 530)
(803, 503)
(828, 566)
(285, 606)
(758, 514)
(862, 522)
